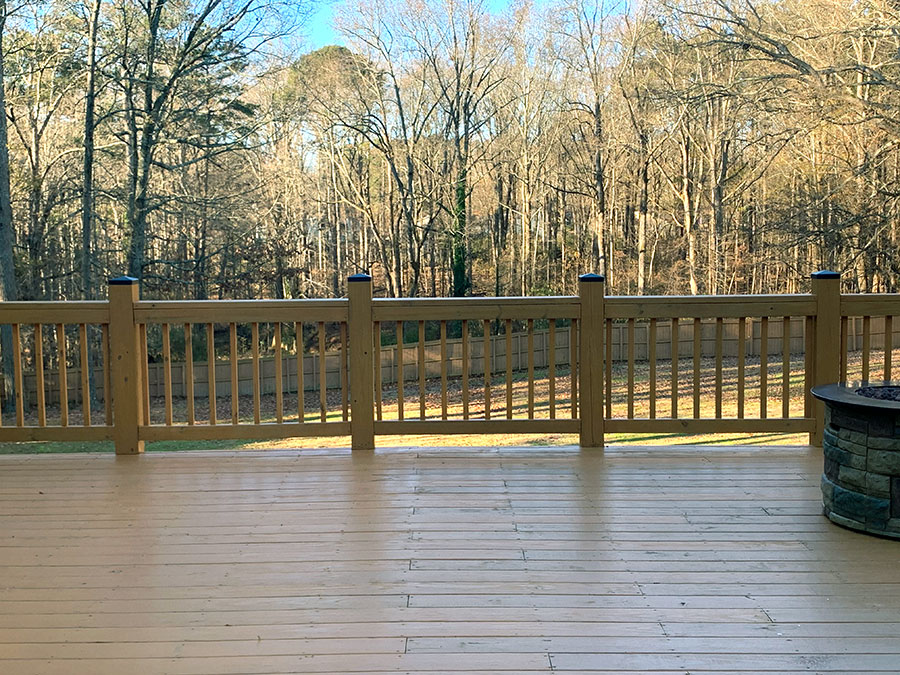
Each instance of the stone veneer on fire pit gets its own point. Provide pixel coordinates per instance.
(861, 482)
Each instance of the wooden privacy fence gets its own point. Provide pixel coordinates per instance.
(585, 364)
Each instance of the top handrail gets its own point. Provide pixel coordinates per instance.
(866, 304)
(238, 311)
(449, 309)
(66, 312)
(708, 306)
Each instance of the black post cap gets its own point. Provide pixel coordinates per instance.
(359, 277)
(124, 280)
(825, 274)
(592, 277)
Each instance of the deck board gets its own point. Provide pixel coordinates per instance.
(410, 560)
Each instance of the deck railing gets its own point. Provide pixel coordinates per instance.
(684, 364)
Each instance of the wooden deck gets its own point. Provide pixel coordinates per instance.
(422, 561)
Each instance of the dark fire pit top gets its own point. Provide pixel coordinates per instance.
(861, 394)
(885, 392)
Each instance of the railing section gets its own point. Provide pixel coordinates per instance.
(61, 351)
(489, 396)
(299, 336)
(709, 364)
(870, 338)
(365, 367)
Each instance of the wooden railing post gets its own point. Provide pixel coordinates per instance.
(590, 367)
(826, 287)
(362, 366)
(125, 370)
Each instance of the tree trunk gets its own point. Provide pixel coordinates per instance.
(8, 288)
(597, 249)
(687, 207)
(458, 238)
(460, 256)
(138, 249)
(642, 224)
(142, 149)
(87, 189)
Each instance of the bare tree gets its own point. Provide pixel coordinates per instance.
(165, 48)
(8, 287)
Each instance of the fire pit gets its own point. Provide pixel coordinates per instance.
(861, 482)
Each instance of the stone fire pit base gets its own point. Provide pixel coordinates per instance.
(861, 481)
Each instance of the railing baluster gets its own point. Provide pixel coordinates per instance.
(107, 376)
(509, 382)
(651, 357)
(254, 353)
(808, 364)
(211, 371)
(487, 369)
(17, 375)
(764, 368)
(465, 369)
(85, 377)
(323, 375)
(630, 348)
(719, 339)
(399, 370)
(443, 370)
(301, 390)
(673, 340)
(698, 326)
(189, 372)
(844, 341)
(376, 329)
(279, 377)
(573, 366)
(888, 345)
(167, 372)
(420, 358)
(867, 347)
(551, 368)
(786, 367)
(742, 342)
(39, 374)
(145, 372)
(345, 371)
(531, 369)
(62, 375)
(235, 393)
(608, 366)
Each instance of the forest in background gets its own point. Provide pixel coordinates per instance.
(678, 147)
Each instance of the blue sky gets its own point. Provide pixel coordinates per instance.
(320, 30)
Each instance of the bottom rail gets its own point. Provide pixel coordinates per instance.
(409, 427)
(475, 426)
(242, 431)
(55, 433)
(711, 426)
